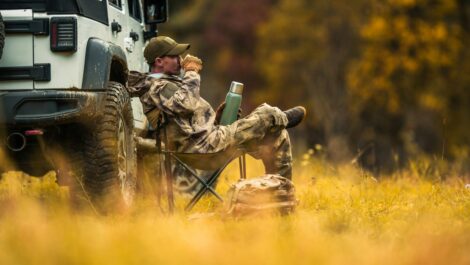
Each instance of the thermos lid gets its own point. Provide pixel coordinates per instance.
(236, 87)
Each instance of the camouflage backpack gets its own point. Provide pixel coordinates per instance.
(266, 194)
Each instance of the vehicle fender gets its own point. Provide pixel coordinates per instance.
(104, 62)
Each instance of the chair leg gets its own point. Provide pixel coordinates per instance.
(169, 184)
(159, 181)
(169, 176)
(161, 159)
(203, 190)
(242, 164)
(203, 182)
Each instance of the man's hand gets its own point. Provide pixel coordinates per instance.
(191, 63)
(220, 110)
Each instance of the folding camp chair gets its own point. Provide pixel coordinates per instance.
(213, 162)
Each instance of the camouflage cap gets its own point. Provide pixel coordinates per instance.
(161, 46)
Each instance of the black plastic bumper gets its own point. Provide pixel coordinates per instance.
(48, 107)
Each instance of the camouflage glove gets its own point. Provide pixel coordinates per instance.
(191, 63)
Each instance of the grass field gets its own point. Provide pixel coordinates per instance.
(345, 216)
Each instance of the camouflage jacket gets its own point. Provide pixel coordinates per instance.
(190, 118)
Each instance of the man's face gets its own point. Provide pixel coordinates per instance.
(169, 64)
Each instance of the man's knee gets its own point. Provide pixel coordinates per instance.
(269, 112)
(266, 108)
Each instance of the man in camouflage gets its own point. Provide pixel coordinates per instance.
(192, 124)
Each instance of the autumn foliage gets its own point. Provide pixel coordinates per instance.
(383, 80)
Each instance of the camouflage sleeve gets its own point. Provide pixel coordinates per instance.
(184, 101)
(138, 83)
(192, 82)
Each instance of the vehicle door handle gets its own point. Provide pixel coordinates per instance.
(116, 27)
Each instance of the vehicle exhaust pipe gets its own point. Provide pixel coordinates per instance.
(16, 142)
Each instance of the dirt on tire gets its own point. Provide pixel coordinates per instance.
(110, 169)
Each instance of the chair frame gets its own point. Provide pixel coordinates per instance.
(206, 185)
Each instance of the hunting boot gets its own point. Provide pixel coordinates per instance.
(295, 116)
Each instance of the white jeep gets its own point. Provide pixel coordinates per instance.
(63, 98)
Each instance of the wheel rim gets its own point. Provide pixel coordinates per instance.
(123, 165)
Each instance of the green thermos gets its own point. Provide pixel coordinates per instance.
(232, 103)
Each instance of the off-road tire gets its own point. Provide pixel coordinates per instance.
(2, 35)
(110, 170)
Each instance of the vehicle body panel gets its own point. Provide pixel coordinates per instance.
(18, 50)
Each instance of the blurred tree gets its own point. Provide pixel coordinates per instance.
(387, 78)
(223, 34)
(408, 86)
(231, 40)
(303, 52)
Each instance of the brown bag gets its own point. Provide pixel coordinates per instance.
(267, 194)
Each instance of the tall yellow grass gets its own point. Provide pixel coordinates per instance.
(345, 216)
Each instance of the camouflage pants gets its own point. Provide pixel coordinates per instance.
(263, 135)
